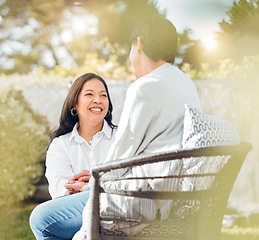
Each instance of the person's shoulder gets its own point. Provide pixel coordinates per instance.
(178, 73)
(142, 84)
(64, 137)
(60, 141)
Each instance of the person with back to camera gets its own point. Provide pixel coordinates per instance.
(151, 121)
(81, 141)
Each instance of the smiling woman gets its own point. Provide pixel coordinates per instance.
(81, 142)
(92, 107)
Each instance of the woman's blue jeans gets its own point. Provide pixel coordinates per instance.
(59, 218)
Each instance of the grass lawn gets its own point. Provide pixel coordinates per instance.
(14, 222)
(14, 225)
(240, 233)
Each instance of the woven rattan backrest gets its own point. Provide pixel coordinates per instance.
(197, 209)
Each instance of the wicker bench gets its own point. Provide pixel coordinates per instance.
(196, 212)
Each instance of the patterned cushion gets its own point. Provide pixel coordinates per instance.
(202, 130)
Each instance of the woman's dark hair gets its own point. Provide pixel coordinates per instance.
(67, 121)
(159, 38)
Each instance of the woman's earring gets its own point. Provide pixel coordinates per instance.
(108, 113)
(73, 112)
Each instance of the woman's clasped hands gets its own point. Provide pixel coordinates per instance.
(77, 183)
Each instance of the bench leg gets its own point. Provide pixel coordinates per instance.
(93, 223)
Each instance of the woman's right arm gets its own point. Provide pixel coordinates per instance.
(58, 168)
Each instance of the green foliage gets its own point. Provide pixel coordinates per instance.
(244, 18)
(23, 137)
(190, 51)
(227, 69)
(28, 27)
(116, 22)
(125, 16)
(239, 36)
(15, 222)
(42, 27)
(109, 68)
(240, 233)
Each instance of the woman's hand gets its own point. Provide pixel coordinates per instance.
(75, 187)
(83, 176)
(76, 183)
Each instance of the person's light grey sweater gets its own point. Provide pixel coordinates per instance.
(151, 121)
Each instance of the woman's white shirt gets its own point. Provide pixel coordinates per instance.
(70, 153)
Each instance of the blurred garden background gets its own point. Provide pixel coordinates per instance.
(45, 45)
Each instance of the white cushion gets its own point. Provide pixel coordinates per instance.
(201, 129)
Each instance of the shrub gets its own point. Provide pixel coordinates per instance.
(23, 137)
(227, 69)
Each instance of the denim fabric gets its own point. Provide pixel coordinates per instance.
(59, 218)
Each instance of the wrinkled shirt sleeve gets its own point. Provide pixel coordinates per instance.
(58, 168)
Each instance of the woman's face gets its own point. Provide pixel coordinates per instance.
(93, 102)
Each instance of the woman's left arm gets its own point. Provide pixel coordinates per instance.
(58, 168)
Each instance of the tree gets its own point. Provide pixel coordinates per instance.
(33, 30)
(190, 51)
(46, 19)
(30, 24)
(239, 36)
(116, 21)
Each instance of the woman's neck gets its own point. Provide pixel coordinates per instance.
(87, 131)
